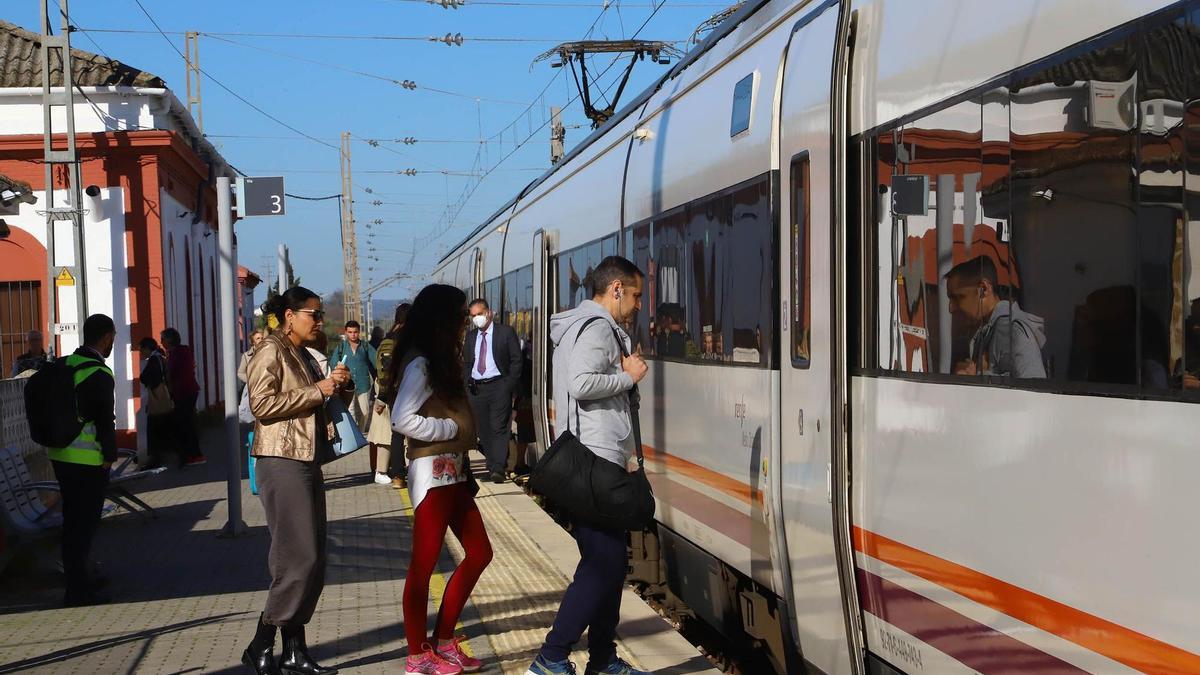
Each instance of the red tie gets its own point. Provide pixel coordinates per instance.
(481, 362)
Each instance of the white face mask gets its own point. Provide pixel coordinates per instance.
(480, 320)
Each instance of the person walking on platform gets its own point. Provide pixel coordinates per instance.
(492, 364)
(292, 436)
(360, 359)
(380, 435)
(432, 411)
(82, 467)
(256, 337)
(156, 401)
(185, 391)
(591, 370)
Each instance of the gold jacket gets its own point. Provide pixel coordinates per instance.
(288, 407)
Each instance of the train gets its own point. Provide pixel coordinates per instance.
(919, 318)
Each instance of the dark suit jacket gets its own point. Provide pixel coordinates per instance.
(506, 350)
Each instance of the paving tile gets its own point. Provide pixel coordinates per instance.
(186, 601)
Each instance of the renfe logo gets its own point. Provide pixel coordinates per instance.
(901, 649)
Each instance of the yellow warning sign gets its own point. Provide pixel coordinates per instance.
(64, 278)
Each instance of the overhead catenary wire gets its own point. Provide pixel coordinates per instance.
(430, 237)
(233, 93)
(374, 76)
(341, 36)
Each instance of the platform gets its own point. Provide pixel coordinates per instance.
(186, 601)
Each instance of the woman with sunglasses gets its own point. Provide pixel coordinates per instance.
(292, 437)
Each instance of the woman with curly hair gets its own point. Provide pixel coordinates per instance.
(432, 411)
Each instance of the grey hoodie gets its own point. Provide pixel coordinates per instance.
(591, 390)
(1012, 347)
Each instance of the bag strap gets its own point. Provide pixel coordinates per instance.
(635, 398)
(635, 402)
(577, 335)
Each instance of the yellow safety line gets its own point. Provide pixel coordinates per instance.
(437, 582)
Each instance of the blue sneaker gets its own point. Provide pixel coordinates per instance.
(617, 667)
(541, 666)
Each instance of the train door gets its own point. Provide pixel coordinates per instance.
(808, 441)
(544, 304)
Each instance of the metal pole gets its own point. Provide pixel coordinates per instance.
(284, 282)
(235, 525)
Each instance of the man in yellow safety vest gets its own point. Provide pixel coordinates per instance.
(82, 467)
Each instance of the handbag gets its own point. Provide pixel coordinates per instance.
(593, 490)
(158, 399)
(347, 437)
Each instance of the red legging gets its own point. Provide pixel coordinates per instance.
(453, 506)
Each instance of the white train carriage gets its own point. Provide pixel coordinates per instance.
(835, 483)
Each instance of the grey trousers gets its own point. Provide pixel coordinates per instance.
(293, 495)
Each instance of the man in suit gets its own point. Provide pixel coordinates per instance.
(492, 364)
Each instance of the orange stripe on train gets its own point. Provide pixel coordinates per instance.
(1121, 644)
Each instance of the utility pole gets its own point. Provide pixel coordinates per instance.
(285, 280)
(67, 288)
(558, 134)
(351, 299)
(192, 58)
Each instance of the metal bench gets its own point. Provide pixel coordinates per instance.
(25, 517)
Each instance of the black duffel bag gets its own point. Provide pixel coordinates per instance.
(593, 490)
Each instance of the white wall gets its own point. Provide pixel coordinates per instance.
(177, 224)
(107, 278)
(114, 109)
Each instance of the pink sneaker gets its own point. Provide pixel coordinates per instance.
(429, 663)
(454, 654)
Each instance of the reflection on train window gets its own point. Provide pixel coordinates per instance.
(491, 293)
(800, 262)
(1062, 233)
(575, 271)
(708, 266)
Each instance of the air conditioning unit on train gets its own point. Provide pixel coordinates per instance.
(1112, 105)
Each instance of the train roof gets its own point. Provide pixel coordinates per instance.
(719, 33)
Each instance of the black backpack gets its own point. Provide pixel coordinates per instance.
(50, 405)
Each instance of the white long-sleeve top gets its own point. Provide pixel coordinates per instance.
(413, 393)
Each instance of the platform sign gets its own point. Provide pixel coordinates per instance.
(260, 196)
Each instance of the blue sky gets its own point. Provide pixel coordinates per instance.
(323, 101)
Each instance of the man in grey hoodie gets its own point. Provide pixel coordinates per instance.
(592, 381)
(1007, 339)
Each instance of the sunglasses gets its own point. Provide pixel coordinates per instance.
(317, 314)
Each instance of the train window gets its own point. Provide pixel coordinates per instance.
(1065, 199)
(743, 99)
(639, 245)
(491, 293)
(1074, 215)
(575, 271)
(944, 285)
(800, 261)
(709, 289)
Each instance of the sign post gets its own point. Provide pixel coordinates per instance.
(256, 197)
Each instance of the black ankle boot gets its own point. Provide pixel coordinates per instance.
(260, 654)
(296, 660)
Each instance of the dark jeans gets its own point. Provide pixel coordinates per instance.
(593, 600)
(183, 423)
(82, 500)
(293, 496)
(492, 405)
(158, 437)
